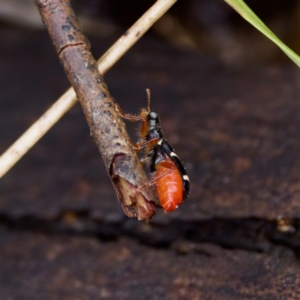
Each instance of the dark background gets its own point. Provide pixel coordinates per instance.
(229, 104)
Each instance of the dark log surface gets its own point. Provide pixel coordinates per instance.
(63, 233)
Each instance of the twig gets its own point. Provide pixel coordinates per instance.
(30, 137)
(107, 129)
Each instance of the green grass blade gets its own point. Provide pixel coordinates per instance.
(241, 7)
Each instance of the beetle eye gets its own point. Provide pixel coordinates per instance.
(152, 116)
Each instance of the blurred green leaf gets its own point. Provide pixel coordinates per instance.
(241, 7)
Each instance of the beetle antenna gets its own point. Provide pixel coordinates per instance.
(148, 97)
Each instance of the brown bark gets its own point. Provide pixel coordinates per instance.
(107, 129)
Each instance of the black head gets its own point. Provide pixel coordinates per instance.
(153, 123)
(153, 120)
(152, 117)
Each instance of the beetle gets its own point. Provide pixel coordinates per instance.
(169, 175)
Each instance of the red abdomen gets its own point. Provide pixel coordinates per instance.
(169, 187)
